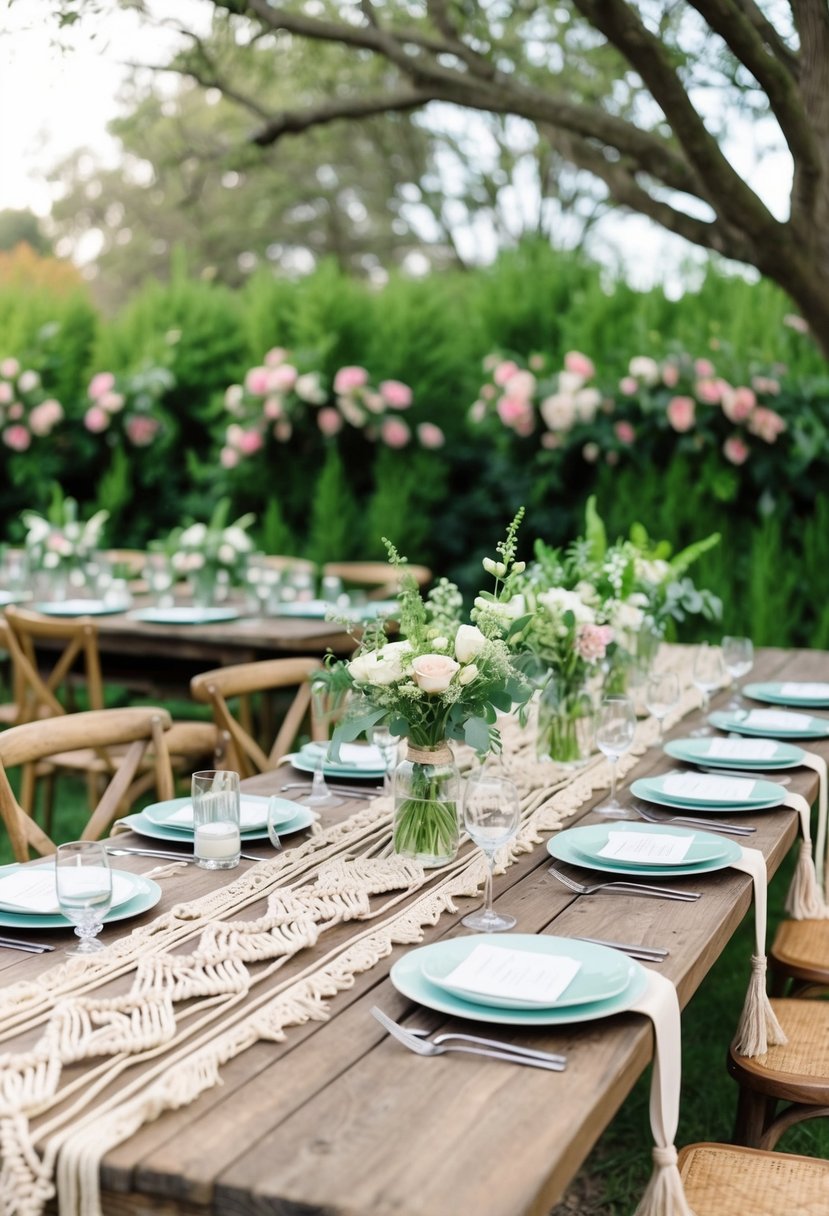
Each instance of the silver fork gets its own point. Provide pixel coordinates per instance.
(728, 829)
(498, 1044)
(626, 888)
(424, 1047)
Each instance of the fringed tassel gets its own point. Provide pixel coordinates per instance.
(664, 1195)
(758, 1025)
(804, 900)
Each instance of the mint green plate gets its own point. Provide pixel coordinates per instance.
(306, 761)
(409, 978)
(185, 614)
(159, 813)
(695, 751)
(812, 728)
(773, 694)
(764, 796)
(80, 608)
(579, 846)
(303, 818)
(147, 895)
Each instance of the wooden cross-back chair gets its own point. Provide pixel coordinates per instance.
(52, 659)
(243, 680)
(136, 736)
(9, 710)
(382, 578)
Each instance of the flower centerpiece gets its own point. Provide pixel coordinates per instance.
(59, 543)
(213, 556)
(445, 678)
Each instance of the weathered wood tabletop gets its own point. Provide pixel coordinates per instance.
(340, 1120)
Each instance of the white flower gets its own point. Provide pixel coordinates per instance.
(380, 667)
(558, 411)
(469, 642)
(468, 674)
(226, 554)
(652, 570)
(569, 382)
(440, 643)
(391, 656)
(434, 672)
(308, 388)
(28, 381)
(194, 536)
(557, 601)
(521, 385)
(644, 368)
(239, 539)
(508, 610)
(628, 616)
(587, 401)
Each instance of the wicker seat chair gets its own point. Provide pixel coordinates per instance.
(721, 1180)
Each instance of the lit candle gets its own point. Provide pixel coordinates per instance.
(218, 842)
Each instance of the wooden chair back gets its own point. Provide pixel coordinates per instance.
(45, 653)
(215, 688)
(382, 577)
(9, 710)
(133, 731)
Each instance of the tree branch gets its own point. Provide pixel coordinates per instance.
(783, 53)
(478, 64)
(292, 122)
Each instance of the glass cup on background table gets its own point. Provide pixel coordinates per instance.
(661, 696)
(160, 578)
(615, 728)
(491, 816)
(217, 841)
(326, 708)
(83, 884)
(708, 675)
(738, 656)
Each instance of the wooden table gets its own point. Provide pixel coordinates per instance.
(340, 1120)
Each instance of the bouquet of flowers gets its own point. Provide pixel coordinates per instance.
(213, 555)
(445, 678)
(128, 404)
(60, 540)
(26, 412)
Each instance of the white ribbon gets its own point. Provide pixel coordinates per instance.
(817, 763)
(805, 899)
(758, 1025)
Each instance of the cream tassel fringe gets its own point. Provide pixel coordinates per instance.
(664, 1195)
(758, 1026)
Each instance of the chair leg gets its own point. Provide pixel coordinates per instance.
(797, 1112)
(754, 1114)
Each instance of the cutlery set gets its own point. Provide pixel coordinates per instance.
(629, 888)
(342, 791)
(16, 943)
(715, 825)
(468, 1044)
(167, 855)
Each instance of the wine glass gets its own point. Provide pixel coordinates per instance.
(708, 675)
(83, 882)
(388, 745)
(276, 815)
(491, 815)
(326, 707)
(615, 727)
(738, 656)
(661, 695)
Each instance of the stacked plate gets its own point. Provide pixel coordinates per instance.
(770, 723)
(465, 977)
(760, 754)
(712, 793)
(185, 614)
(28, 899)
(801, 694)
(357, 760)
(173, 819)
(639, 849)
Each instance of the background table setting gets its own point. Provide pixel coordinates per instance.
(317, 1105)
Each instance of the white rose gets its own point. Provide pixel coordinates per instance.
(508, 610)
(370, 669)
(569, 382)
(434, 672)
(521, 385)
(193, 536)
(226, 555)
(558, 412)
(391, 659)
(28, 381)
(469, 642)
(238, 538)
(308, 388)
(558, 600)
(468, 674)
(587, 401)
(654, 571)
(644, 368)
(628, 616)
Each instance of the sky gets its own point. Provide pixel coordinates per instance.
(53, 101)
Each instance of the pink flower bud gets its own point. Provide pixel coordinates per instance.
(579, 364)
(395, 433)
(101, 383)
(681, 412)
(348, 379)
(17, 438)
(430, 436)
(96, 420)
(329, 420)
(396, 394)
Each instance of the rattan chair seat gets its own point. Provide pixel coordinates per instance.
(721, 1180)
(801, 951)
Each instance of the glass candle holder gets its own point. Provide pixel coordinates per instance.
(217, 838)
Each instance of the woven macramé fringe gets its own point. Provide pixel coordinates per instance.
(664, 1194)
(804, 900)
(758, 1026)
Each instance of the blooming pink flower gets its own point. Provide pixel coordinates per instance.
(710, 392)
(736, 450)
(374, 402)
(272, 409)
(275, 356)
(282, 378)
(762, 384)
(44, 416)
(579, 364)
(738, 403)
(141, 430)
(504, 371)
(681, 413)
(17, 438)
(513, 411)
(9, 368)
(16, 411)
(395, 433)
(592, 641)
(628, 385)
(624, 432)
(521, 385)
(103, 382)
(670, 375)
(766, 423)
(228, 458)
(396, 394)
(704, 368)
(111, 402)
(329, 420)
(250, 442)
(95, 419)
(348, 379)
(257, 381)
(430, 436)
(6, 392)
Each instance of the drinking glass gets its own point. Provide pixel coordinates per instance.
(159, 577)
(615, 727)
(708, 675)
(491, 815)
(326, 708)
(738, 656)
(276, 815)
(83, 882)
(217, 841)
(388, 745)
(661, 695)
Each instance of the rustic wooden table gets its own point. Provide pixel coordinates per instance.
(340, 1120)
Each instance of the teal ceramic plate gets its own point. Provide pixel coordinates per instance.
(254, 813)
(696, 751)
(14, 597)
(791, 692)
(603, 973)
(317, 610)
(764, 796)
(572, 845)
(185, 614)
(303, 818)
(408, 977)
(147, 895)
(809, 728)
(80, 608)
(306, 761)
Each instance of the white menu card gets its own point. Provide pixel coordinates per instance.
(742, 749)
(515, 975)
(776, 719)
(813, 689)
(647, 848)
(704, 788)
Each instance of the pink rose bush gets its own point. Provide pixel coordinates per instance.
(283, 401)
(535, 401)
(128, 406)
(27, 412)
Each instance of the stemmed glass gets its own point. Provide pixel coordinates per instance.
(738, 656)
(708, 675)
(388, 745)
(661, 696)
(491, 816)
(615, 728)
(83, 882)
(326, 707)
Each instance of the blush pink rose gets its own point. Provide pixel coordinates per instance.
(111, 402)
(579, 364)
(250, 442)
(45, 416)
(17, 438)
(228, 458)
(521, 385)
(396, 394)
(272, 409)
(395, 433)
(710, 392)
(275, 356)
(257, 381)
(512, 410)
(103, 382)
(624, 432)
(736, 450)
(670, 375)
(9, 368)
(766, 424)
(628, 385)
(6, 392)
(760, 384)
(738, 403)
(282, 378)
(96, 420)
(329, 421)
(681, 411)
(430, 436)
(433, 673)
(141, 430)
(348, 379)
(704, 368)
(16, 411)
(592, 642)
(504, 372)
